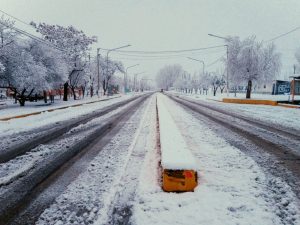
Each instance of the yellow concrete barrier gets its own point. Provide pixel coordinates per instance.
(250, 101)
(179, 180)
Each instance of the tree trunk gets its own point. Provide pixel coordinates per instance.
(92, 91)
(45, 96)
(104, 87)
(66, 85)
(83, 91)
(73, 91)
(215, 91)
(249, 87)
(22, 101)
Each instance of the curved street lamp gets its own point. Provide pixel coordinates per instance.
(198, 60)
(227, 80)
(135, 78)
(110, 50)
(125, 76)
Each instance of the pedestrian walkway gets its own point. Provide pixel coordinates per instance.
(6, 118)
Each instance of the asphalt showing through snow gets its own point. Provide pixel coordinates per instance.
(51, 180)
(275, 150)
(53, 132)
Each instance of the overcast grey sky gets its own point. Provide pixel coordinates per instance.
(168, 25)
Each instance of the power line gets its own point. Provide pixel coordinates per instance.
(32, 36)
(171, 55)
(167, 51)
(26, 33)
(214, 62)
(282, 35)
(22, 21)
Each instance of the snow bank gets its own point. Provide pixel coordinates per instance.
(175, 154)
(279, 116)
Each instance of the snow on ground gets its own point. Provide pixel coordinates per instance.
(21, 165)
(232, 187)
(219, 96)
(280, 116)
(11, 131)
(11, 109)
(175, 154)
(24, 124)
(90, 196)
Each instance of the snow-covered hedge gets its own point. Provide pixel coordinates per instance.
(175, 154)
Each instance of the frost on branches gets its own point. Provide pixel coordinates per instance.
(74, 45)
(108, 69)
(28, 67)
(249, 61)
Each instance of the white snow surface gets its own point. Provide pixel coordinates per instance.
(277, 115)
(15, 126)
(232, 188)
(87, 200)
(175, 154)
(22, 164)
(12, 109)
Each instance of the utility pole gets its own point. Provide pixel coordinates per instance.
(227, 79)
(98, 71)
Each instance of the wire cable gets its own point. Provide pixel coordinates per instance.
(167, 51)
(22, 21)
(32, 37)
(214, 62)
(282, 35)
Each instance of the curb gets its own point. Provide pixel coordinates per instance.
(289, 106)
(215, 100)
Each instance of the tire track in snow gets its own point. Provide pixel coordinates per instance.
(120, 210)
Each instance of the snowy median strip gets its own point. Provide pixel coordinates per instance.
(178, 163)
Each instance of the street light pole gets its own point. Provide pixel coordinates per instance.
(201, 61)
(135, 79)
(108, 51)
(125, 78)
(203, 68)
(98, 72)
(227, 55)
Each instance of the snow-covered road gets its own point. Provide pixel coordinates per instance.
(16, 131)
(239, 181)
(233, 188)
(19, 176)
